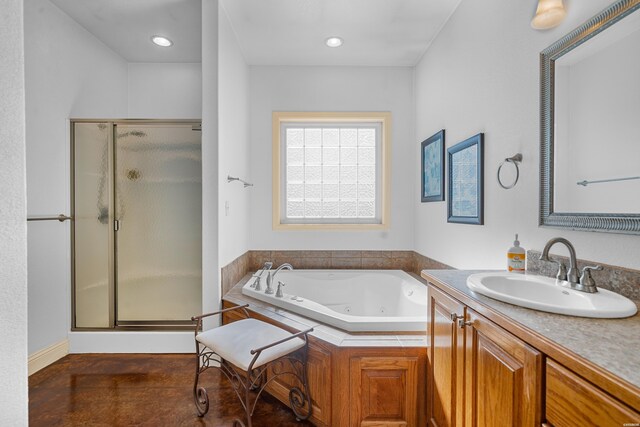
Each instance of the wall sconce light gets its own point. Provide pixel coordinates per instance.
(549, 14)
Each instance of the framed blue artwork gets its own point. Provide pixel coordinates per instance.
(466, 182)
(432, 176)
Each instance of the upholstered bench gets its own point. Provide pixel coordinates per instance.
(243, 350)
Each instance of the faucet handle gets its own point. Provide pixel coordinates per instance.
(589, 268)
(562, 271)
(586, 281)
(279, 293)
(267, 265)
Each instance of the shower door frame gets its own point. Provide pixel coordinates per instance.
(152, 325)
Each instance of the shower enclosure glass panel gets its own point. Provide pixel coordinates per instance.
(93, 287)
(158, 214)
(137, 229)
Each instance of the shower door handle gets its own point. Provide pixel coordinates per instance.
(116, 225)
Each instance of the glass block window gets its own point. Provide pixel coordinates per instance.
(331, 172)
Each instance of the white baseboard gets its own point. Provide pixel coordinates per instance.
(131, 342)
(46, 356)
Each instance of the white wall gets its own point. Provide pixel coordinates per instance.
(332, 89)
(69, 74)
(210, 268)
(481, 74)
(233, 137)
(13, 230)
(165, 90)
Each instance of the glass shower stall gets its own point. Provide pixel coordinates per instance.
(137, 230)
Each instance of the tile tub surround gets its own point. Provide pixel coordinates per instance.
(231, 273)
(617, 279)
(611, 344)
(251, 261)
(400, 260)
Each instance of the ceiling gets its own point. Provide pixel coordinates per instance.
(270, 32)
(126, 26)
(375, 32)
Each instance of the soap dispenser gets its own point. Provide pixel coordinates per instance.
(516, 258)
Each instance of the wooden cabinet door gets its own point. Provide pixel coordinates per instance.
(445, 375)
(384, 392)
(319, 377)
(503, 377)
(573, 401)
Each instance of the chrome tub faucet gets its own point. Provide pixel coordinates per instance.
(266, 267)
(270, 277)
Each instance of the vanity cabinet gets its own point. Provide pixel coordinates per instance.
(485, 370)
(479, 374)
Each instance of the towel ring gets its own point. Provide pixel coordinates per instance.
(514, 160)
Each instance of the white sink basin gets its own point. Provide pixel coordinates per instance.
(546, 294)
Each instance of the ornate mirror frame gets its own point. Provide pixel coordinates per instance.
(613, 223)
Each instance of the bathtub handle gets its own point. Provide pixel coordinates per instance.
(258, 275)
(279, 293)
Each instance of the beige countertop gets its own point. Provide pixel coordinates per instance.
(613, 344)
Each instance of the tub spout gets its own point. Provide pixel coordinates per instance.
(270, 277)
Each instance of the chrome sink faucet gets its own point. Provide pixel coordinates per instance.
(270, 277)
(585, 282)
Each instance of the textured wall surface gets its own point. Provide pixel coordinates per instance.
(233, 149)
(481, 74)
(332, 89)
(13, 229)
(210, 270)
(69, 73)
(165, 90)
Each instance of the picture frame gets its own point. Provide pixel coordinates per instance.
(466, 181)
(432, 168)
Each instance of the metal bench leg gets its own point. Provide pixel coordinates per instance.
(298, 399)
(200, 396)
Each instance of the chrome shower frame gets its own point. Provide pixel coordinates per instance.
(112, 263)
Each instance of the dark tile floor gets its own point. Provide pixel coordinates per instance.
(138, 390)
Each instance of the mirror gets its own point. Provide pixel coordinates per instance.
(590, 124)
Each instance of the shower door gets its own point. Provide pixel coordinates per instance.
(158, 214)
(137, 234)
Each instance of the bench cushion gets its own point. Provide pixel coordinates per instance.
(234, 342)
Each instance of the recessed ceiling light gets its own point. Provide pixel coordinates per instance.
(161, 41)
(334, 41)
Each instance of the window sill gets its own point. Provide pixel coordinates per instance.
(329, 227)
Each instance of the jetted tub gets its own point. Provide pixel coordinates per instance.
(352, 300)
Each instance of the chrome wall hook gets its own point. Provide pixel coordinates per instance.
(515, 160)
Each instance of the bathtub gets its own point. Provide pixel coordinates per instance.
(352, 300)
